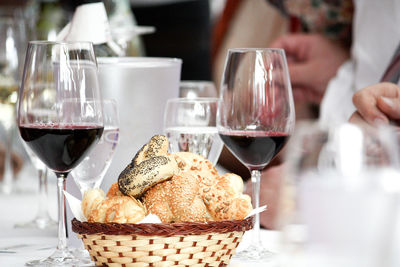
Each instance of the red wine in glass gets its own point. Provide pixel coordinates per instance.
(255, 119)
(254, 148)
(61, 148)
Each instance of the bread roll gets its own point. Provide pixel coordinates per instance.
(134, 181)
(114, 191)
(198, 166)
(198, 193)
(91, 199)
(157, 146)
(119, 209)
(177, 200)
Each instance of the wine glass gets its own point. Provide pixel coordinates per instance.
(255, 117)
(62, 129)
(12, 43)
(90, 172)
(190, 125)
(339, 205)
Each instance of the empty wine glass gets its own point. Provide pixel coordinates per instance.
(12, 43)
(190, 125)
(90, 172)
(255, 117)
(340, 200)
(62, 129)
(195, 89)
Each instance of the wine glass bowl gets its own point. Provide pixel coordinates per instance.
(255, 116)
(190, 125)
(60, 116)
(91, 171)
(61, 146)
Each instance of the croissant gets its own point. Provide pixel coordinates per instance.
(119, 209)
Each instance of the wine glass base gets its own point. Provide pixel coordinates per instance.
(6, 189)
(38, 223)
(58, 258)
(255, 253)
(83, 256)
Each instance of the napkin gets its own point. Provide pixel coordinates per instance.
(257, 210)
(75, 205)
(151, 218)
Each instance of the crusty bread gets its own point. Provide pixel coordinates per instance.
(114, 191)
(177, 200)
(198, 193)
(178, 187)
(91, 199)
(119, 209)
(157, 146)
(225, 200)
(134, 181)
(198, 166)
(122, 209)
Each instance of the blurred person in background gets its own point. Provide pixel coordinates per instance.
(323, 70)
(377, 104)
(320, 45)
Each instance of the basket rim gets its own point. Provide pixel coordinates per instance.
(162, 229)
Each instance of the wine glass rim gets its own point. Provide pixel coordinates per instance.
(89, 100)
(253, 49)
(193, 100)
(46, 42)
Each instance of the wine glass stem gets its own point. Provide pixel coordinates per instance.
(255, 181)
(62, 234)
(42, 201)
(8, 167)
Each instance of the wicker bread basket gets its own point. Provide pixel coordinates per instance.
(175, 244)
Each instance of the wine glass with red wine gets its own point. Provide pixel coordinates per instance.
(255, 117)
(60, 117)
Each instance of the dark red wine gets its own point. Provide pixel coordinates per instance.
(61, 148)
(254, 149)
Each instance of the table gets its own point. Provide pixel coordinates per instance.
(20, 245)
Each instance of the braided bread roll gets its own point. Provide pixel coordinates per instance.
(198, 193)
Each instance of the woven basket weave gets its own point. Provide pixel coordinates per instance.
(176, 244)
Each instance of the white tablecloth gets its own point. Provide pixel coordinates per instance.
(20, 245)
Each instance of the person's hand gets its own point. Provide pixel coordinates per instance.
(313, 60)
(270, 190)
(378, 103)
